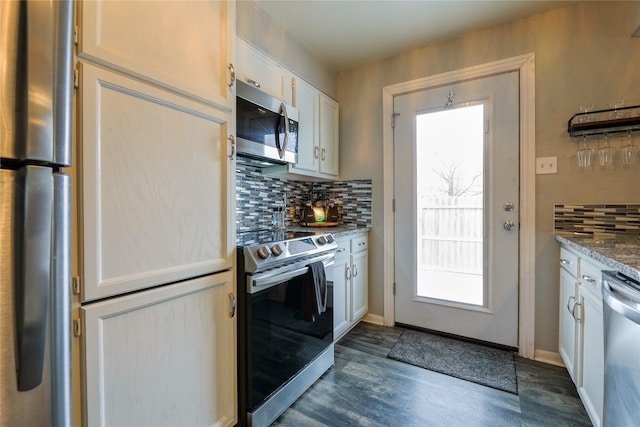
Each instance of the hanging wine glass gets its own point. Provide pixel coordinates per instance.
(584, 153)
(605, 153)
(629, 151)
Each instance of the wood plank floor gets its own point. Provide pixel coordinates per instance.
(364, 388)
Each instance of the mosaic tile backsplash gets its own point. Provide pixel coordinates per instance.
(601, 219)
(257, 195)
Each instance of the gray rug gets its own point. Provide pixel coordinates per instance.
(468, 361)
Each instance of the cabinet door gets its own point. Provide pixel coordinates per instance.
(329, 140)
(157, 199)
(165, 356)
(306, 100)
(184, 46)
(591, 384)
(257, 69)
(341, 297)
(359, 285)
(568, 325)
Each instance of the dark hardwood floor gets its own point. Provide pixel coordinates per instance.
(364, 388)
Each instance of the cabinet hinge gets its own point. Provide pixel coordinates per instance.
(76, 78)
(77, 328)
(394, 288)
(393, 119)
(393, 205)
(75, 285)
(75, 35)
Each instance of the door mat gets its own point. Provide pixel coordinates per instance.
(477, 363)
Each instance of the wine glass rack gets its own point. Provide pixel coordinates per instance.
(600, 122)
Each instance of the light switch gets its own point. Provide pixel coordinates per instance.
(546, 165)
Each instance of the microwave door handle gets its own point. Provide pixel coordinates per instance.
(281, 151)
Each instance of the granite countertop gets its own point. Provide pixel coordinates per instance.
(337, 231)
(621, 253)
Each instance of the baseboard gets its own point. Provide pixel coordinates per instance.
(373, 318)
(549, 357)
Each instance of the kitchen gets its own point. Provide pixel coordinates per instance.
(584, 54)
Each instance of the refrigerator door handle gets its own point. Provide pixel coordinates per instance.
(39, 84)
(63, 82)
(34, 272)
(60, 291)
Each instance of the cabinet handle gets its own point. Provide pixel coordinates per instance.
(233, 146)
(232, 301)
(253, 82)
(316, 151)
(564, 261)
(588, 279)
(355, 271)
(340, 250)
(232, 72)
(348, 273)
(324, 152)
(570, 310)
(361, 244)
(579, 318)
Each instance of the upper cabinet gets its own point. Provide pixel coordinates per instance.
(259, 70)
(318, 143)
(132, 37)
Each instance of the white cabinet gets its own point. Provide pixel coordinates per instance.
(350, 278)
(569, 325)
(581, 342)
(591, 380)
(183, 46)
(259, 70)
(156, 223)
(156, 197)
(162, 357)
(318, 141)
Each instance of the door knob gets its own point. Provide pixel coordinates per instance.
(509, 206)
(509, 225)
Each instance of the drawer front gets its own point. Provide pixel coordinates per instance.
(591, 276)
(569, 261)
(343, 247)
(359, 244)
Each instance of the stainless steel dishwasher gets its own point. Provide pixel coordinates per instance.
(621, 300)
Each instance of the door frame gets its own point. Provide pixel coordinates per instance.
(525, 65)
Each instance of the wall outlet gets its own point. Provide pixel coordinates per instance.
(546, 165)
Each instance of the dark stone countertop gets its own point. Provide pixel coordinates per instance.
(621, 253)
(338, 231)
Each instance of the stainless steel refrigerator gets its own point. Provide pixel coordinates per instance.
(36, 89)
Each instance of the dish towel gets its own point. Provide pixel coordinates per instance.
(314, 291)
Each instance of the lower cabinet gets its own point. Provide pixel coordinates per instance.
(350, 283)
(581, 340)
(164, 356)
(591, 379)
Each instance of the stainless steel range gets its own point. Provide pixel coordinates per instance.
(284, 343)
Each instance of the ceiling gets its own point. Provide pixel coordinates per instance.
(349, 33)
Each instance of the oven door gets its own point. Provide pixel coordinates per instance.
(280, 343)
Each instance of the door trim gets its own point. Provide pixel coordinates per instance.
(525, 65)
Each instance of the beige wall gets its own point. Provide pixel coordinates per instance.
(256, 27)
(584, 55)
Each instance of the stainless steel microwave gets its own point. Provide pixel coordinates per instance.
(266, 128)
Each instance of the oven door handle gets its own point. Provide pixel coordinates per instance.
(259, 282)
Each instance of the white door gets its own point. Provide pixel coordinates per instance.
(456, 174)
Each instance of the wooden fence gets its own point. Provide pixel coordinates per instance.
(451, 230)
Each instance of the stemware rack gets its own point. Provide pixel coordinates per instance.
(601, 122)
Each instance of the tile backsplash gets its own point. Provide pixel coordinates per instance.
(257, 195)
(597, 219)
